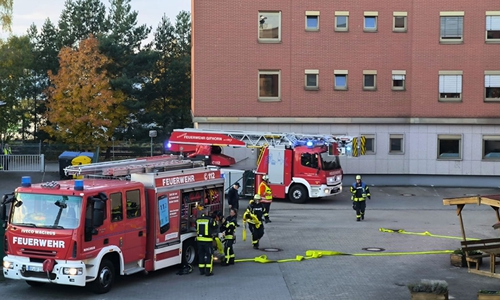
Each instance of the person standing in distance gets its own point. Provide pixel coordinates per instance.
(233, 200)
(360, 191)
(266, 195)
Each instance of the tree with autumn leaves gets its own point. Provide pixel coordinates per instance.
(82, 107)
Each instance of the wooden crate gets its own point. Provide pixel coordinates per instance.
(428, 296)
(481, 296)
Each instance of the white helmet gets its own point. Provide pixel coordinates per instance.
(265, 177)
(257, 197)
(358, 177)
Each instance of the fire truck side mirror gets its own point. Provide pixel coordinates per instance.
(98, 213)
(3, 213)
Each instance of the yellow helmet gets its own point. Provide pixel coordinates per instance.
(257, 197)
(358, 177)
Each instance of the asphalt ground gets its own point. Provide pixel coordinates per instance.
(327, 224)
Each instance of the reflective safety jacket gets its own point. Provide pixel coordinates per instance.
(255, 213)
(7, 151)
(360, 191)
(265, 192)
(228, 227)
(206, 228)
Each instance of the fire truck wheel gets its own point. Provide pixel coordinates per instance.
(297, 194)
(34, 283)
(189, 252)
(105, 278)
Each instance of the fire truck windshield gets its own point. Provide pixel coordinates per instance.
(329, 162)
(46, 211)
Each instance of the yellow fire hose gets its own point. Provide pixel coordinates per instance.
(313, 254)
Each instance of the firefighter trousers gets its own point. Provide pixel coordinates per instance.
(360, 206)
(205, 257)
(257, 233)
(267, 206)
(228, 252)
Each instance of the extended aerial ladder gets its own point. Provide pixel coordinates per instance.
(123, 168)
(255, 139)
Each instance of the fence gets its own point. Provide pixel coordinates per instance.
(19, 162)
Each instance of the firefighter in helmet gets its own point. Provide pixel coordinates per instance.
(266, 195)
(206, 228)
(360, 191)
(228, 229)
(254, 215)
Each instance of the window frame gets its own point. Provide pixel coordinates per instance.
(451, 14)
(491, 14)
(370, 14)
(490, 73)
(396, 136)
(450, 73)
(374, 145)
(370, 73)
(310, 72)
(267, 98)
(111, 204)
(458, 137)
(398, 73)
(269, 40)
(139, 204)
(489, 137)
(340, 73)
(342, 14)
(400, 14)
(312, 14)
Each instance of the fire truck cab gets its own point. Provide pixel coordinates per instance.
(124, 217)
(299, 166)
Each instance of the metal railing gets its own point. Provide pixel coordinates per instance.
(22, 163)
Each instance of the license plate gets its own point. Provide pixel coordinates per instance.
(34, 269)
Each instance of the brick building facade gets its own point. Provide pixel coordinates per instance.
(418, 78)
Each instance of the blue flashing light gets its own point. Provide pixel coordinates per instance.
(169, 145)
(26, 181)
(310, 144)
(79, 185)
(348, 148)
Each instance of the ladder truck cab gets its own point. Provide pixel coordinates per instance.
(299, 166)
(123, 217)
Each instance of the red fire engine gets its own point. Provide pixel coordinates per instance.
(124, 217)
(300, 166)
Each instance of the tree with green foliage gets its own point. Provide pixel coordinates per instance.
(6, 14)
(15, 66)
(83, 109)
(170, 86)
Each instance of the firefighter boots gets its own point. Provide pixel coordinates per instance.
(358, 219)
(202, 271)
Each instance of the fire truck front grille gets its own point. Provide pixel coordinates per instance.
(37, 252)
(52, 276)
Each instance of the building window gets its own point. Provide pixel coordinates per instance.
(449, 147)
(340, 80)
(451, 27)
(312, 20)
(450, 85)
(269, 27)
(491, 147)
(341, 21)
(493, 26)
(396, 144)
(133, 204)
(400, 21)
(370, 22)
(311, 80)
(492, 86)
(369, 80)
(269, 85)
(398, 80)
(369, 143)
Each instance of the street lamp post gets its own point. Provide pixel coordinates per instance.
(152, 134)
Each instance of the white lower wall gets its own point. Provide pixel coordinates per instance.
(420, 147)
